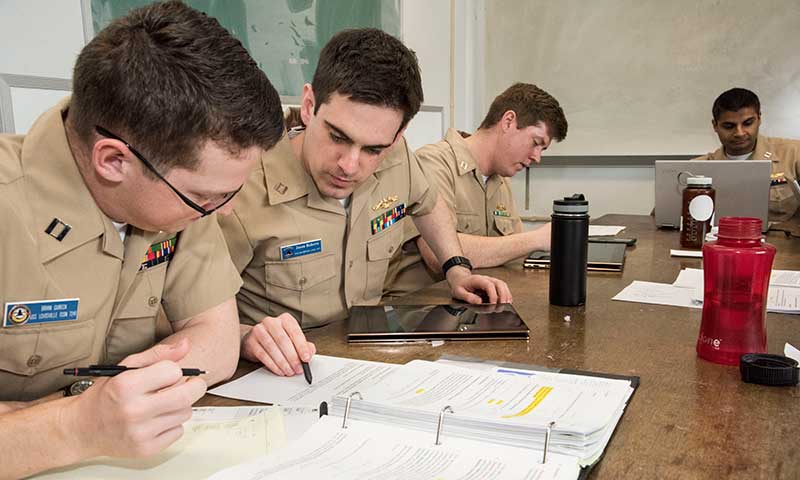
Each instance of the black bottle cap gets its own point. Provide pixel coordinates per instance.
(577, 203)
(766, 369)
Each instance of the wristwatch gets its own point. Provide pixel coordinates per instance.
(78, 387)
(456, 262)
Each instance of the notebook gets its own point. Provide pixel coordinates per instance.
(601, 257)
(440, 420)
(419, 323)
(742, 188)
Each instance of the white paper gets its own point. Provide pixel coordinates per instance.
(780, 298)
(658, 294)
(604, 230)
(296, 420)
(374, 451)
(207, 445)
(791, 352)
(332, 376)
(686, 253)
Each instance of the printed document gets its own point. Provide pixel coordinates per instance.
(332, 376)
(380, 452)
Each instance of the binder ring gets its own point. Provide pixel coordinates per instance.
(347, 407)
(444, 410)
(547, 433)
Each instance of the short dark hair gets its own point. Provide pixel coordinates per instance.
(167, 78)
(734, 100)
(369, 66)
(532, 105)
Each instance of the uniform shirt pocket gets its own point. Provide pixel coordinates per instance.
(380, 250)
(468, 222)
(302, 285)
(782, 200)
(504, 225)
(133, 327)
(29, 349)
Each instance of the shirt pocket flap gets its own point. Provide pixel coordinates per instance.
(145, 297)
(383, 247)
(467, 222)
(504, 225)
(35, 348)
(300, 274)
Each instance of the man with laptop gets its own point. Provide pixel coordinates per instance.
(737, 118)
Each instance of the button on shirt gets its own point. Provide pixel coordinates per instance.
(117, 298)
(281, 206)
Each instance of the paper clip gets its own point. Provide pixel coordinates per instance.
(444, 410)
(547, 441)
(347, 407)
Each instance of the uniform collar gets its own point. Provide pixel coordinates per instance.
(763, 150)
(57, 190)
(285, 178)
(466, 162)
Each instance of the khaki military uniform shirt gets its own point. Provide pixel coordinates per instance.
(118, 293)
(484, 209)
(785, 155)
(280, 206)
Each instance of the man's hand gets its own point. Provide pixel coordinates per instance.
(138, 412)
(279, 344)
(468, 287)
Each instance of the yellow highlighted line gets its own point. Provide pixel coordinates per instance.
(419, 390)
(538, 397)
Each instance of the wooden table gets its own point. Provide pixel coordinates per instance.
(689, 418)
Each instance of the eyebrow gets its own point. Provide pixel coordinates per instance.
(341, 133)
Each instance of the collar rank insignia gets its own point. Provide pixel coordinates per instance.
(501, 211)
(387, 219)
(158, 253)
(385, 203)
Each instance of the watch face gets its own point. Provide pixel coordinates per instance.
(80, 386)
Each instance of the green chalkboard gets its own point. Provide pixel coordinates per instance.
(283, 36)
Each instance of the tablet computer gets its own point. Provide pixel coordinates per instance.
(421, 323)
(601, 257)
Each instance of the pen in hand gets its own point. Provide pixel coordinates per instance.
(113, 370)
(306, 371)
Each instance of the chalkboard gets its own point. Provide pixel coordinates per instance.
(639, 77)
(283, 36)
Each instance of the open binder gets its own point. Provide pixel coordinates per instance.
(432, 419)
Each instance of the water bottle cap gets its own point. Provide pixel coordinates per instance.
(739, 228)
(766, 369)
(577, 203)
(700, 181)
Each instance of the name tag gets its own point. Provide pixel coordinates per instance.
(40, 311)
(300, 249)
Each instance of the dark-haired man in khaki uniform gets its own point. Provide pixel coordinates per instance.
(471, 174)
(736, 120)
(101, 205)
(318, 222)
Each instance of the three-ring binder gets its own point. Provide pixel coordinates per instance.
(347, 407)
(444, 410)
(547, 433)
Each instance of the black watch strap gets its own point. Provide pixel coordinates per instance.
(456, 262)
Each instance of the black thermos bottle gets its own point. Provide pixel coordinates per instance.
(569, 242)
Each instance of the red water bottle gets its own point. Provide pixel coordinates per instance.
(736, 269)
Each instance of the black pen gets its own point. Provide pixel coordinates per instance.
(112, 370)
(306, 371)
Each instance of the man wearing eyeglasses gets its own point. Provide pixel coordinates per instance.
(318, 222)
(104, 206)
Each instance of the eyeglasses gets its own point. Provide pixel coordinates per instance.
(203, 212)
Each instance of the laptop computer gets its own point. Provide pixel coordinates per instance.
(742, 188)
(601, 257)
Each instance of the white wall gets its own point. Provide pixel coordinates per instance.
(40, 37)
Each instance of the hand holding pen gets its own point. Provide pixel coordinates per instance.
(114, 370)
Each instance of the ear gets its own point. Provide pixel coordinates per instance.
(508, 120)
(307, 104)
(111, 160)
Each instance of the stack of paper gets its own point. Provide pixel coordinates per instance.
(498, 408)
(374, 451)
